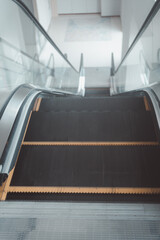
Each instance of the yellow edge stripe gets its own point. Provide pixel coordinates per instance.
(38, 104)
(92, 190)
(147, 107)
(92, 143)
(5, 186)
(27, 126)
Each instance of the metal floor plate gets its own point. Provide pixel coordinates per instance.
(87, 221)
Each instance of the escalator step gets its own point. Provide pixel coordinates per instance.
(92, 104)
(91, 126)
(88, 166)
(97, 91)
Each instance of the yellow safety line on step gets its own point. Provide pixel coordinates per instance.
(147, 107)
(27, 126)
(92, 143)
(38, 104)
(80, 190)
(35, 105)
(2, 189)
(5, 186)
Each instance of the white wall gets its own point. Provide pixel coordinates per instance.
(54, 8)
(44, 9)
(110, 7)
(133, 14)
(78, 6)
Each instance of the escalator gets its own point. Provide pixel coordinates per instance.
(88, 146)
(80, 163)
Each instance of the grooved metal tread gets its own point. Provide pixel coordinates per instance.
(91, 126)
(92, 104)
(77, 221)
(88, 166)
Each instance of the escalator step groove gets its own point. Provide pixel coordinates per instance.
(97, 92)
(92, 104)
(91, 126)
(88, 166)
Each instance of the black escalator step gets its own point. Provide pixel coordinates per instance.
(110, 198)
(91, 126)
(92, 104)
(97, 92)
(89, 166)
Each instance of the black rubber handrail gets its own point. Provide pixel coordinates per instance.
(41, 29)
(146, 23)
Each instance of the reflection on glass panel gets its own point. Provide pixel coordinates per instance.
(27, 57)
(141, 68)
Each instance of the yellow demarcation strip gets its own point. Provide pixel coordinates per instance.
(2, 189)
(5, 186)
(27, 126)
(38, 104)
(35, 105)
(146, 104)
(81, 190)
(92, 143)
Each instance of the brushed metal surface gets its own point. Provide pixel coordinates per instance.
(8, 118)
(88, 221)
